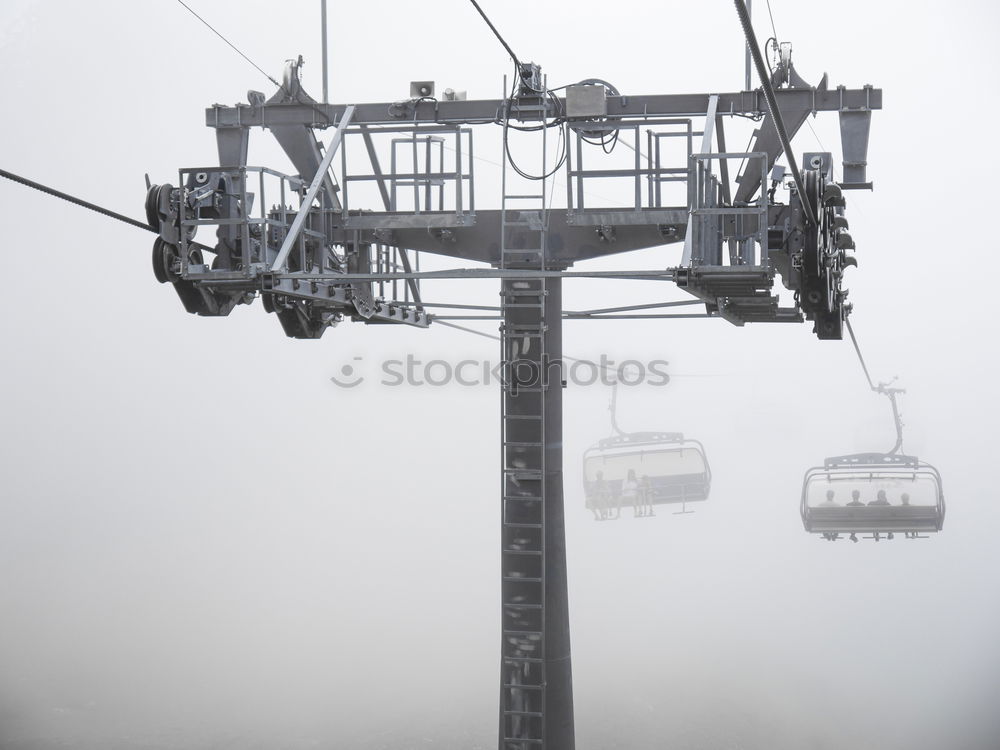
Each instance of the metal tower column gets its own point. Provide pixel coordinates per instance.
(536, 687)
(536, 675)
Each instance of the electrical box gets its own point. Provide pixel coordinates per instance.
(531, 79)
(586, 100)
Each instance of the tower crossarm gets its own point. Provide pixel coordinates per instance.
(478, 111)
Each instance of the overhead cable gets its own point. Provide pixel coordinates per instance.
(861, 359)
(78, 201)
(493, 28)
(773, 29)
(235, 48)
(772, 106)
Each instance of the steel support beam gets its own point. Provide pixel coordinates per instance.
(488, 110)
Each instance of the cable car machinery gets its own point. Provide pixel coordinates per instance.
(315, 259)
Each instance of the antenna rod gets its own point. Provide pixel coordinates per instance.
(750, 14)
(326, 92)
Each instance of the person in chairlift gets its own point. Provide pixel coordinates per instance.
(880, 499)
(829, 503)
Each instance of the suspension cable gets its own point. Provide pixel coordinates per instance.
(772, 107)
(91, 206)
(235, 48)
(861, 358)
(78, 201)
(493, 28)
(771, 14)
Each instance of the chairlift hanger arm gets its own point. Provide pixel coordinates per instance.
(485, 110)
(885, 388)
(899, 423)
(891, 393)
(613, 408)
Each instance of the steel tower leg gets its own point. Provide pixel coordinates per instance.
(536, 687)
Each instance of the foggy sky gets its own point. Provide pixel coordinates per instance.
(204, 543)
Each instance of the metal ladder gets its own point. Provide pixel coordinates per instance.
(523, 229)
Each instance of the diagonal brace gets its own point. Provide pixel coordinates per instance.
(706, 147)
(324, 167)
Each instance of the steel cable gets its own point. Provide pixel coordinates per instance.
(493, 28)
(861, 359)
(78, 201)
(772, 106)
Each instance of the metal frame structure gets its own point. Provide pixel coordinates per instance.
(323, 260)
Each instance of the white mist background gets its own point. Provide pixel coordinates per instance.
(204, 542)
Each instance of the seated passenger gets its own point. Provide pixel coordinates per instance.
(600, 497)
(828, 503)
(646, 495)
(630, 493)
(855, 499)
(906, 499)
(880, 499)
(615, 502)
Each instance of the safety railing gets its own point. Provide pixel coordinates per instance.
(431, 170)
(236, 199)
(646, 171)
(714, 225)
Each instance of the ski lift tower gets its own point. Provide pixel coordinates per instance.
(315, 255)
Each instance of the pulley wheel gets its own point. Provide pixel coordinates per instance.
(163, 258)
(152, 207)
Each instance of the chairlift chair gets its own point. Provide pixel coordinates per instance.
(676, 468)
(880, 494)
(910, 486)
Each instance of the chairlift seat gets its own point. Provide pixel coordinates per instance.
(867, 474)
(677, 468)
